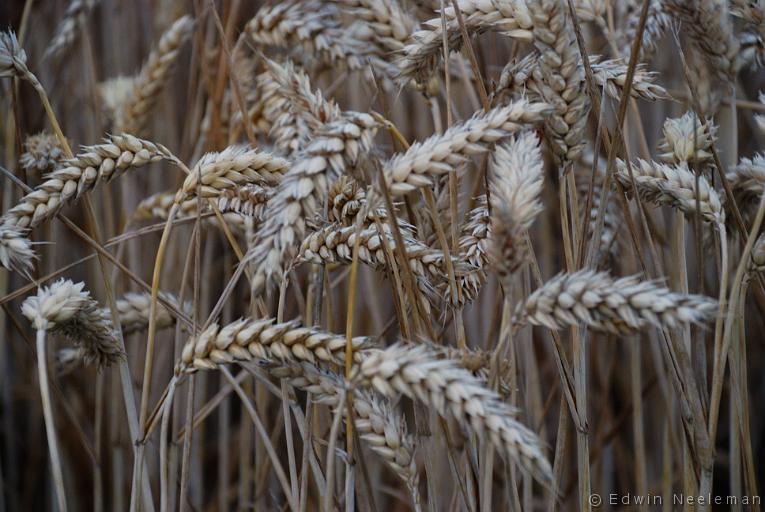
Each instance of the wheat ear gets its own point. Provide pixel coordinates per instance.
(675, 186)
(560, 78)
(390, 24)
(311, 25)
(602, 303)
(424, 52)
(335, 148)
(454, 392)
(264, 339)
(709, 26)
(442, 153)
(95, 164)
(67, 29)
(43, 152)
(747, 181)
(656, 25)
(66, 308)
(231, 168)
(154, 75)
(687, 139)
(517, 173)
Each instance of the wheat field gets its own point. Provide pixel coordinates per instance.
(382, 255)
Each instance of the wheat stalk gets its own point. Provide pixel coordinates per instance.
(375, 420)
(602, 303)
(265, 339)
(452, 391)
(675, 186)
(153, 76)
(441, 154)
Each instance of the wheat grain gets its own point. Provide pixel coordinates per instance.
(64, 307)
(346, 199)
(675, 186)
(453, 392)
(602, 303)
(441, 154)
(249, 200)
(248, 338)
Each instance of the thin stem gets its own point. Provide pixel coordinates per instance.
(50, 427)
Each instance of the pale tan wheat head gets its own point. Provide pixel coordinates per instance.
(66, 308)
(264, 339)
(454, 392)
(517, 171)
(675, 186)
(560, 77)
(334, 150)
(602, 303)
(440, 154)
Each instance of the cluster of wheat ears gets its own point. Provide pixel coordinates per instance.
(432, 255)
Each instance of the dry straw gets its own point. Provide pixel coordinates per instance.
(378, 423)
